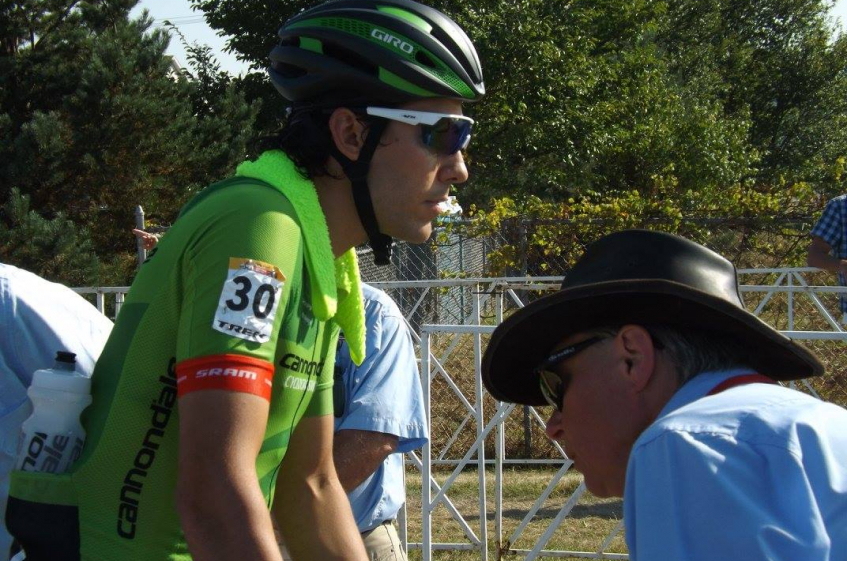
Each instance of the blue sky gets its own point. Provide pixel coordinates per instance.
(191, 24)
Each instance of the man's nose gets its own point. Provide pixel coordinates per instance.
(554, 426)
(453, 169)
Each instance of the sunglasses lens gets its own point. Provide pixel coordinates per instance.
(551, 388)
(447, 136)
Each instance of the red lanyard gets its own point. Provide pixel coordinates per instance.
(741, 380)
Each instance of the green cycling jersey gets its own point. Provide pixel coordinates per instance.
(225, 301)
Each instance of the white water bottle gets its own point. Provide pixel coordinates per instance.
(52, 437)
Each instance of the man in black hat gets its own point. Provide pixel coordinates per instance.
(665, 393)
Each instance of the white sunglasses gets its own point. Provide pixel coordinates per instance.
(444, 133)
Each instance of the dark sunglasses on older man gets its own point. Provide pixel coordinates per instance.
(443, 133)
(553, 385)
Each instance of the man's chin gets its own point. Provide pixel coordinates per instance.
(602, 489)
(416, 236)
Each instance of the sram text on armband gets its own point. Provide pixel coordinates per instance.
(234, 372)
(226, 372)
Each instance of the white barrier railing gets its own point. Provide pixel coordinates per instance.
(99, 293)
(790, 281)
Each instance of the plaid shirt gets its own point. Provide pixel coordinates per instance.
(832, 228)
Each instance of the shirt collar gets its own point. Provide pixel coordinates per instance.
(698, 387)
(336, 286)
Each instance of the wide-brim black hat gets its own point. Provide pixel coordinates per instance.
(641, 277)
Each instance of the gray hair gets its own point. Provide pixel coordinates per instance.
(693, 351)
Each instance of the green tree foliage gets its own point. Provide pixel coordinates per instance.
(582, 99)
(778, 62)
(95, 120)
(55, 249)
(252, 26)
(608, 96)
(752, 228)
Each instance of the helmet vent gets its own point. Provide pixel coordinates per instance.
(445, 39)
(288, 71)
(350, 58)
(425, 59)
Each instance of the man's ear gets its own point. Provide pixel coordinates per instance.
(348, 132)
(636, 347)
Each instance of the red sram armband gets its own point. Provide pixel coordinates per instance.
(235, 373)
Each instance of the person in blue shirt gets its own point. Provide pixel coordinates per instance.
(380, 415)
(828, 249)
(665, 392)
(37, 318)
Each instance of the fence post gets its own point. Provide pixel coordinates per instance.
(139, 244)
(790, 303)
(426, 453)
(499, 442)
(480, 426)
(101, 301)
(119, 301)
(461, 275)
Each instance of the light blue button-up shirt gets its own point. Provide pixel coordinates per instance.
(755, 473)
(383, 395)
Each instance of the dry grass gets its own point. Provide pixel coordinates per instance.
(584, 529)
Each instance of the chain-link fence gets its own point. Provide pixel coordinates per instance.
(539, 248)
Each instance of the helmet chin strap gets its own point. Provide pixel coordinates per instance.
(357, 172)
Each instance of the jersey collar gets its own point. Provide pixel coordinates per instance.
(337, 291)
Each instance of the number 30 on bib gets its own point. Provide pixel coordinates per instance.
(249, 300)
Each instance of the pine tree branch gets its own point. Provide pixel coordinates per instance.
(55, 24)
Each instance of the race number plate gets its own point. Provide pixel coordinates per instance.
(249, 300)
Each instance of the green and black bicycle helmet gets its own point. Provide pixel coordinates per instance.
(391, 50)
(359, 52)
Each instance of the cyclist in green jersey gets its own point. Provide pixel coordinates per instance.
(212, 399)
